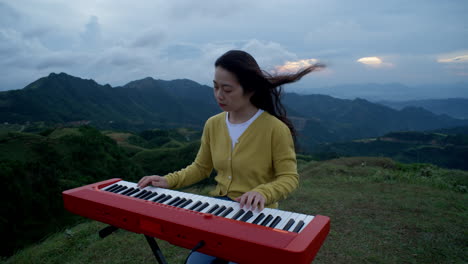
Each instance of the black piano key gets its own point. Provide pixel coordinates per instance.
(165, 199)
(189, 201)
(288, 225)
(228, 211)
(143, 192)
(195, 205)
(128, 191)
(112, 187)
(259, 218)
(247, 216)
(158, 198)
(220, 210)
(120, 189)
(212, 209)
(173, 201)
(151, 196)
(267, 220)
(133, 192)
(238, 214)
(298, 227)
(143, 197)
(275, 222)
(113, 190)
(139, 192)
(205, 205)
(181, 201)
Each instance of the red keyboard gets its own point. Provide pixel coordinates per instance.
(183, 219)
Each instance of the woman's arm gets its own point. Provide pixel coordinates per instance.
(195, 172)
(284, 167)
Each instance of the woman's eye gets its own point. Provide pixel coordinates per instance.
(227, 91)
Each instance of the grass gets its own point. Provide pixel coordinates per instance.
(381, 212)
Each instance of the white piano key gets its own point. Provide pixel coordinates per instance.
(284, 219)
(293, 216)
(297, 219)
(256, 213)
(306, 222)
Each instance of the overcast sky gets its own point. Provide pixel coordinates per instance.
(415, 43)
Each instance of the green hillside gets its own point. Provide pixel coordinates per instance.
(442, 149)
(381, 212)
(38, 167)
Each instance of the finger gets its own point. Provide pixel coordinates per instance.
(144, 182)
(141, 180)
(242, 201)
(255, 202)
(250, 199)
(262, 204)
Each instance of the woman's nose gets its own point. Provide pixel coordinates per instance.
(219, 94)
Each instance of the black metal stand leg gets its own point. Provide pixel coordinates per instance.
(156, 250)
(107, 231)
(151, 241)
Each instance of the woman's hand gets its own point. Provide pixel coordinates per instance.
(252, 200)
(153, 180)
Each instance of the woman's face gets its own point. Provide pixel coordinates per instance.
(228, 92)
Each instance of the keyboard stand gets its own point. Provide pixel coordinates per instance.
(151, 241)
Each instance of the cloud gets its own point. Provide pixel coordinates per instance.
(375, 62)
(268, 53)
(457, 59)
(185, 9)
(370, 60)
(119, 41)
(149, 39)
(294, 66)
(91, 36)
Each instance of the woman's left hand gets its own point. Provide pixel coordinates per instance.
(252, 200)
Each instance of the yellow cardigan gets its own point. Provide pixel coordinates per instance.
(263, 160)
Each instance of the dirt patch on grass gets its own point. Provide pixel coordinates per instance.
(385, 163)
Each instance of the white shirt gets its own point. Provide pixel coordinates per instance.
(236, 130)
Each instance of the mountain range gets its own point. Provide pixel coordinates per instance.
(376, 92)
(150, 103)
(454, 107)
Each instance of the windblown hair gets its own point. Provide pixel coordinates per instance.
(266, 87)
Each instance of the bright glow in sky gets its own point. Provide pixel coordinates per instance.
(370, 60)
(294, 66)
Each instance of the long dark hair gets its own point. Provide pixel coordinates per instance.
(266, 87)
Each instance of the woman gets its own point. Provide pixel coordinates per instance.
(249, 144)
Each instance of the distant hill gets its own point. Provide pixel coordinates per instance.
(444, 150)
(149, 103)
(142, 104)
(328, 119)
(394, 91)
(454, 107)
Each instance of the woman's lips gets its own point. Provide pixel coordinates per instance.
(221, 105)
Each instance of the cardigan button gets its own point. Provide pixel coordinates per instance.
(229, 177)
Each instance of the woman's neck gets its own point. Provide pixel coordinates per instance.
(243, 115)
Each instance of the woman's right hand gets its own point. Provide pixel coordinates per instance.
(153, 180)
